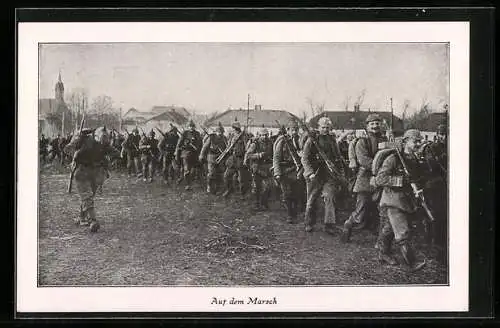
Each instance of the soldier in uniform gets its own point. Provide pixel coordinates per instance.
(365, 150)
(43, 144)
(213, 146)
(55, 150)
(130, 148)
(259, 158)
(90, 165)
(318, 179)
(234, 163)
(397, 204)
(148, 147)
(166, 147)
(285, 171)
(434, 157)
(188, 148)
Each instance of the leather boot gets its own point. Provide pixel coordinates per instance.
(345, 237)
(94, 225)
(408, 255)
(228, 188)
(384, 247)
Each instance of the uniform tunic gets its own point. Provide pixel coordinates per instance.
(323, 183)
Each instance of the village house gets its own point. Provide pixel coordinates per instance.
(428, 125)
(257, 118)
(343, 120)
(53, 113)
(159, 116)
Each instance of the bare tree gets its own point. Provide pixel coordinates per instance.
(361, 98)
(102, 104)
(304, 116)
(346, 102)
(406, 105)
(315, 107)
(77, 102)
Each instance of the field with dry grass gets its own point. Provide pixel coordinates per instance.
(152, 234)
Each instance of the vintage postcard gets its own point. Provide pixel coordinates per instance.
(242, 167)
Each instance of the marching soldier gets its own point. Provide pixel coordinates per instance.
(43, 144)
(318, 178)
(89, 165)
(188, 148)
(259, 157)
(130, 148)
(167, 149)
(213, 146)
(435, 161)
(148, 147)
(285, 170)
(234, 163)
(55, 150)
(397, 204)
(365, 150)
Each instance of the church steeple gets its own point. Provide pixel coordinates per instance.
(59, 89)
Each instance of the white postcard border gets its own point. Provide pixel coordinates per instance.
(30, 298)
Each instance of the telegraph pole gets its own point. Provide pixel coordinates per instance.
(392, 114)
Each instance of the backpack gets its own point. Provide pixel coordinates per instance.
(351, 154)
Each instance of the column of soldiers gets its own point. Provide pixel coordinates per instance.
(388, 177)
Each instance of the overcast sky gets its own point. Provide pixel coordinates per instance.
(210, 77)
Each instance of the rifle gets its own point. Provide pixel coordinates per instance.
(291, 148)
(228, 149)
(332, 170)
(73, 169)
(128, 136)
(417, 193)
(162, 134)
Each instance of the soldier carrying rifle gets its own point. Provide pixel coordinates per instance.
(188, 148)
(130, 149)
(148, 148)
(89, 167)
(324, 174)
(214, 144)
(288, 170)
(166, 146)
(258, 158)
(399, 176)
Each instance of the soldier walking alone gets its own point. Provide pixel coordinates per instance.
(90, 166)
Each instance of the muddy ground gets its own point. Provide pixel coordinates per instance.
(153, 234)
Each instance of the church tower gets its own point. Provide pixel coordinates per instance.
(59, 90)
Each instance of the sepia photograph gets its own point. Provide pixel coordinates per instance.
(256, 164)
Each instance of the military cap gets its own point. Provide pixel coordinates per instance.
(324, 121)
(191, 123)
(236, 125)
(151, 133)
(136, 130)
(412, 133)
(373, 117)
